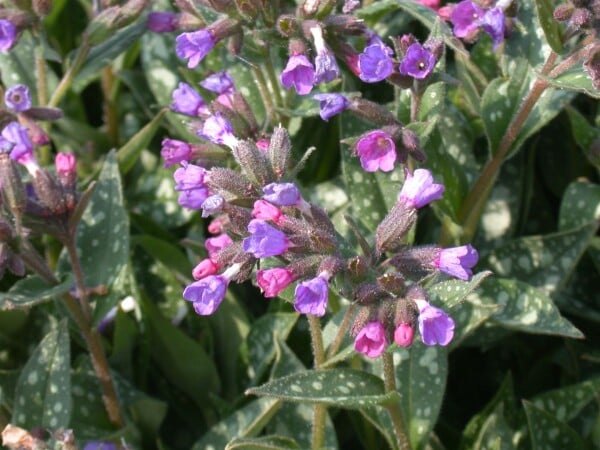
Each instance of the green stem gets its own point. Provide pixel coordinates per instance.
(261, 82)
(284, 119)
(472, 208)
(79, 280)
(69, 76)
(389, 380)
(320, 411)
(339, 337)
(40, 69)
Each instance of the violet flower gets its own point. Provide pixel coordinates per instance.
(311, 296)
(206, 294)
(419, 189)
(18, 98)
(326, 67)
(375, 61)
(218, 130)
(264, 240)
(377, 151)
(493, 23)
(186, 100)
(300, 73)
(174, 151)
(466, 17)
(436, 327)
(331, 104)
(273, 281)
(16, 134)
(418, 62)
(162, 21)
(219, 82)
(193, 199)
(457, 261)
(194, 46)
(282, 194)
(8, 35)
(189, 177)
(371, 340)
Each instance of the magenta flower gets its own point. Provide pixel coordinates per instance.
(8, 35)
(264, 240)
(371, 341)
(375, 62)
(418, 62)
(331, 105)
(300, 73)
(218, 130)
(264, 210)
(205, 268)
(282, 194)
(457, 261)
(432, 4)
(162, 21)
(419, 189)
(404, 334)
(273, 281)
(377, 151)
(220, 82)
(194, 46)
(466, 17)
(311, 296)
(217, 243)
(187, 101)
(65, 164)
(174, 151)
(206, 294)
(436, 327)
(17, 98)
(493, 23)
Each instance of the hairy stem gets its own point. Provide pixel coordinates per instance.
(389, 380)
(263, 88)
(276, 91)
(320, 411)
(339, 337)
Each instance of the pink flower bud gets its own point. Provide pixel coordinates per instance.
(273, 281)
(65, 164)
(205, 268)
(264, 210)
(404, 334)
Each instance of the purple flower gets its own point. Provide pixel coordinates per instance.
(418, 62)
(436, 327)
(220, 82)
(8, 35)
(264, 240)
(194, 46)
(99, 445)
(17, 98)
(206, 294)
(187, 101)
(457, 261)
(300, 73)
(371, 341)
(17, 135)
(162, 22)
(326, 67)
(218, 130)
(331, 104)
(282, 194)
(212, 205)
(376, 151)
(194, 198)
(273, 281)
(189, 177)
(311, 296)
(466, 17)
(217, 243)
(419, 189)
(375, 62)
(174, 151)
(493, 24)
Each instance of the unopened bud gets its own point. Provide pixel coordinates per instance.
(392, 229)
(371, 111)
(49, 192)
(280, 151)
(367, 293)
(404, 335)
(580, 17)
(410, 141)
(357, 268)
(392, 283)
(253, 163)
(41, 7)
(235, 42)
(415, 261)
(241, 106)
(405, 41)
(66, 170)
(592, 66)
(43, 113)
(287, 25)
(36, 133)
(345, 24)
(110, 20)
(230, 184)
(563, 12)
(248, 8)
(13, 190)
(360, 320)
(309, 7)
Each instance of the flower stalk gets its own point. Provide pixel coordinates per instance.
(389, 380)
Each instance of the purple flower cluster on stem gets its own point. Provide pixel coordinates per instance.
(468, 17)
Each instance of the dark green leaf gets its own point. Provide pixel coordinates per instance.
(495, 434)
(43, 392)
(129, 153)
(452, 293)
(583, 132)
(567, 402)
(552, 29)
(32, 290)
(347, 388)
(580, 205)
(263, 443)
(574, 79)
(165, 252)
(545, 431)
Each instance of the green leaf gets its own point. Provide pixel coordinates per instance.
(103, 233)
(552, 29)
(168, 254)
(104, 54)
(380, 419)
(183, 361)
(346, 388)
(584, 133)
(43, 392)
(547, 432)
(421, 379)
(261, 340)
(525, 308)
(246, 421)
(542, 261)
(567, 402)
(129, 153)
(580, 205)
(264, 443)
(452, 293)
(468, 316)
(495, 434)
(32, 290)
(575, 79)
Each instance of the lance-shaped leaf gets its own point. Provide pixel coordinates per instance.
(567, 402)
(552, 29)
(129, 153)
(580, 205)
(584, 134)
(32, 290)
(347, 388)
(453, 292)
(247, 422)
(574, 79)
(545, 431)
(271, 442)
(43, 391)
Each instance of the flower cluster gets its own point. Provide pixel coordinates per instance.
(469, 18)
